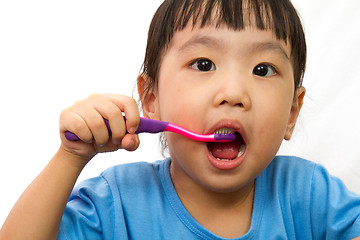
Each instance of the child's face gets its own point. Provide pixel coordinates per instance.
(207, 81)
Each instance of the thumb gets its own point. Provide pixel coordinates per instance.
(130, 142)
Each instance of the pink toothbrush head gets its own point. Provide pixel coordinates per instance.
(156, 126)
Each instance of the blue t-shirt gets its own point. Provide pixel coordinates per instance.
(294, 199)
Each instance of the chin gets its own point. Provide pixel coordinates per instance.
(226, 184)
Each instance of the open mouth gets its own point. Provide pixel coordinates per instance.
(227, 151)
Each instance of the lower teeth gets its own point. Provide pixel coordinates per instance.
(241, 150)
(225, 160)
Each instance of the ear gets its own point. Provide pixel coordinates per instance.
(295, 110)
(148, 97)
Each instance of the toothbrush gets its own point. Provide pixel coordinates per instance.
(155, 126)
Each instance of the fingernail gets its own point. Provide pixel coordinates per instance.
(132, 130)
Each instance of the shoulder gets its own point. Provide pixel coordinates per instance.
(291, 168)
(312, 195)
(138, 180)
(303, 175)
(304, 171)
(134, 173)
(109, 185)
(290, 162)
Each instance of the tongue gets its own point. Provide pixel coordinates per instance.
(227, 150)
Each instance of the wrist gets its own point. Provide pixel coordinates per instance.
(71, 159)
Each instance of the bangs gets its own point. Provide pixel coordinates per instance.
(274, 15)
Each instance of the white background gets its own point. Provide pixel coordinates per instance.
(53, 53)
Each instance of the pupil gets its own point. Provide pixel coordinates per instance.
(261, 70)
(204, 65)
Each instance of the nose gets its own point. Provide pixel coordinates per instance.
(233, 91)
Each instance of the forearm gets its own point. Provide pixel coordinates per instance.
(37, 213)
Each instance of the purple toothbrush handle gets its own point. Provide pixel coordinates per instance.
(71, 136)
(151, 126)
(145, 125)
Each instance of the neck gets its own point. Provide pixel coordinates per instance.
(227, 214)
(217, 201)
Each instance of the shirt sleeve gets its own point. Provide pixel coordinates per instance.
(88, 212)
(335, 210)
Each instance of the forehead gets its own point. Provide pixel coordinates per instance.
(250, 40)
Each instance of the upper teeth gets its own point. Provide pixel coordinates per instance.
(225, 131)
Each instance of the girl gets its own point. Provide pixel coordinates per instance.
(209, 66)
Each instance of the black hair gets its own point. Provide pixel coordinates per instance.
(279, 16)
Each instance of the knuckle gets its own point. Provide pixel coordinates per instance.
(94, 95)
(93, 99)
(129, 101)
(132, 101)
(63, 115)
(78, 105)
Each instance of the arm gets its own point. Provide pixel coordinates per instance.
(38, 212)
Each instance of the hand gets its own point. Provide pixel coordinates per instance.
(86, 119)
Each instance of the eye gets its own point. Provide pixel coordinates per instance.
(264, 70)
(203, 65)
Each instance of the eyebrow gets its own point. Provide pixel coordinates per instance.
(269, 46)
(201, 40)
(212, 42)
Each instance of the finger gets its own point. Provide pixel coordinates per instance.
(95, 122)
(113, 114)
(129, 106)
(72, 122)
(130, 142)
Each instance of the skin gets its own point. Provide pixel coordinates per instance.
(264, 109)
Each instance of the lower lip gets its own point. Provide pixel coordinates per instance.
(226, 165)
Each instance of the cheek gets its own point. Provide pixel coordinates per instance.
(181, 106)
(273, 119)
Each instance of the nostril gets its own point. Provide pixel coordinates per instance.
(240, 105)
(223, 102)
(237, 104)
